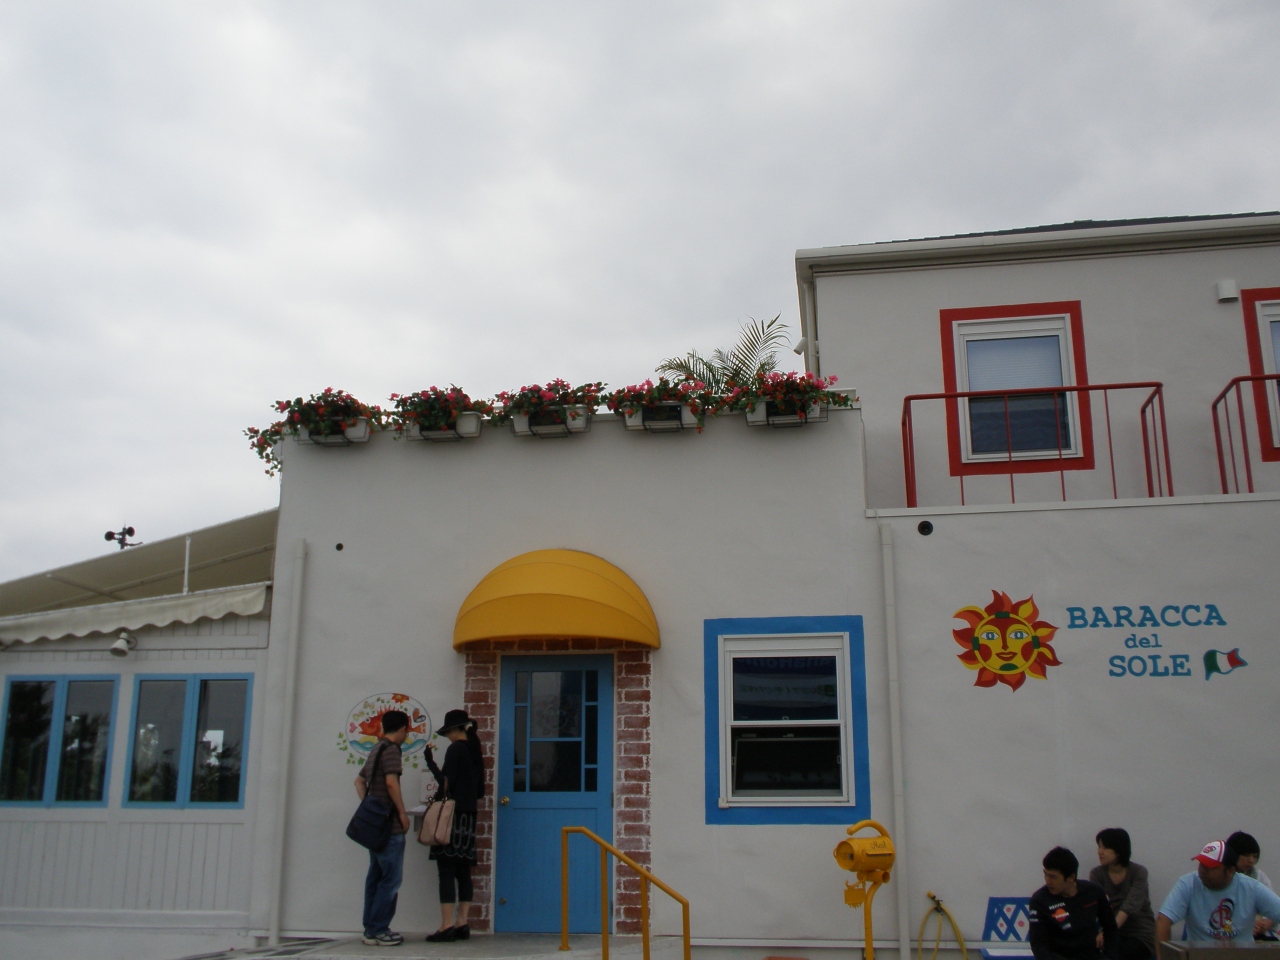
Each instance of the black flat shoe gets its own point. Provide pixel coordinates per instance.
(447, 935)
(462, 933)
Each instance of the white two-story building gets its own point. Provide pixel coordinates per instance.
(1021, 591)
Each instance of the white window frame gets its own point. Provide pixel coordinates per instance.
(1266, 313)
(817, 644)
(1059, 325)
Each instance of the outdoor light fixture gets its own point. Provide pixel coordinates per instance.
(1228, 290)
(124, 643)
(801, 346)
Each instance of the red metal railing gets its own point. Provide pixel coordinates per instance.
(1155, 434)
(1220, 400)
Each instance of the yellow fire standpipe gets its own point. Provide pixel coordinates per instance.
(870, 859)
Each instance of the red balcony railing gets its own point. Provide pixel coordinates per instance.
(1229, 450)
(1155, 437)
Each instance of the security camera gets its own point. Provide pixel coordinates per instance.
(124, 643)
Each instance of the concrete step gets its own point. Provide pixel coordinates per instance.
(499, 946)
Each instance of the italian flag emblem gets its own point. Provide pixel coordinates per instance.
(1215, 661)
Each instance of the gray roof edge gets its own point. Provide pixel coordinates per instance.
(1116, 237)
(148, 543)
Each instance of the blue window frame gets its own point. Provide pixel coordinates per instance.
(786, 720)
(56, 738)
(188, 740)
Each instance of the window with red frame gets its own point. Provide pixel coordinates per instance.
(1261, 308)
(1011, 348)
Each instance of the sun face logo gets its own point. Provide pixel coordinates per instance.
(1005, 641)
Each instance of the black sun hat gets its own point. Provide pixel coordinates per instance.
(453, 720)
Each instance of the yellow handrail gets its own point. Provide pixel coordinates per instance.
(646, 878)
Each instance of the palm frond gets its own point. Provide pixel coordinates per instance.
(693, 367)
(755, 352)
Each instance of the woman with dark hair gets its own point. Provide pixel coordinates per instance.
(1125, 884)
(461, 779)
(1246, 845)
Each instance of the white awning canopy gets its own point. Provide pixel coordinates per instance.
(132, 614)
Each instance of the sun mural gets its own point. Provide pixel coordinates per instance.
(1006, 641)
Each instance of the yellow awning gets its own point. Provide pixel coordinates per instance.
(556, 594)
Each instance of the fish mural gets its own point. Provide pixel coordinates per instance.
(364, 727)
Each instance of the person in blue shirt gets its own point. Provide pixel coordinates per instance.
(1216, 902)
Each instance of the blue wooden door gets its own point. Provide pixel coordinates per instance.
(555, 769)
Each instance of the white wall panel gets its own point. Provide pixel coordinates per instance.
(121, 866)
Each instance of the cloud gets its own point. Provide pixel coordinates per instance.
(205, 207)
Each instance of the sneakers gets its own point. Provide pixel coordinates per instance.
(388, 938)
(447, 935)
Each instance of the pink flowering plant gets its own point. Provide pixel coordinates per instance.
(790, 393)
(695, 393)
(325, 413)
(548, 402)
(433, 408)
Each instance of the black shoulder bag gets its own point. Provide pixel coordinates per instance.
(370, 826)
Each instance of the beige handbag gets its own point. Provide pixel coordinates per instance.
(437, 824)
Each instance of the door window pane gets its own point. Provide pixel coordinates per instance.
(555, 765)
(593, 734)
(215, 775)
(786, 761)
(26, 740)
(785, 688)
(157, 741)
(522, 734)
(1008, 363)
(86, 734)
(555, 730)
(557, 703)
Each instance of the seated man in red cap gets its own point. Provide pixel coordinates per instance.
(1216, 902)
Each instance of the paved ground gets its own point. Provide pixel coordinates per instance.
(510, 946)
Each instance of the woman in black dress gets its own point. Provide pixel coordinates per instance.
(461, 779)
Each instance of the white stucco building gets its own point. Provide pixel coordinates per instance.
(1006, 626)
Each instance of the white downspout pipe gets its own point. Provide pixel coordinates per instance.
(186, 568)
(895, 744)
(286, 737)
(811, 314)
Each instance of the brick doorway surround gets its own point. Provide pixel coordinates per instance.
(632, 691)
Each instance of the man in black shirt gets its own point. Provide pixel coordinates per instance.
(1070, 919)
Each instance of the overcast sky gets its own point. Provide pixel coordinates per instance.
(205, 207)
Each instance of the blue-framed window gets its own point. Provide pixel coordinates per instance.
(55, 740)
(786, 720)
(188, 739)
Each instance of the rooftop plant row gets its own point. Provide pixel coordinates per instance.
(332, 411)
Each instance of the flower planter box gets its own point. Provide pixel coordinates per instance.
(661, 418)
(357, 432)
(767, 414)
(550, 423)
(466, 426)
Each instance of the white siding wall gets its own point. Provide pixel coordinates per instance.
(100, 865)
(176, 868)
